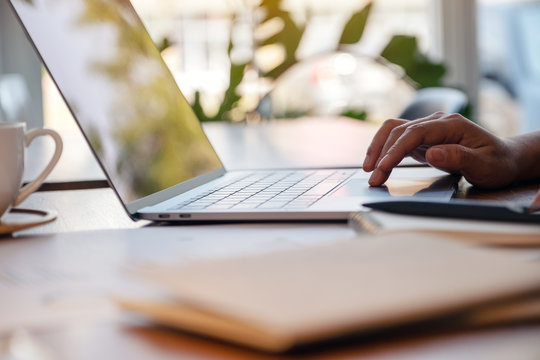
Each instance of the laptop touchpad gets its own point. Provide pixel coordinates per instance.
(360, 187)
(441, 187)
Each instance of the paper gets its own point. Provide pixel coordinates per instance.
(484, 232)
(303, 295)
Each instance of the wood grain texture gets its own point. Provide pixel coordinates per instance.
(79, 210)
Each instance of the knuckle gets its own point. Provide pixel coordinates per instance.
(392, 149)
(392, 123)
(415, 128)
(396, 132)
(439, 114)
(456, 117)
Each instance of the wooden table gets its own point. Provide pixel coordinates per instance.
(130, 338)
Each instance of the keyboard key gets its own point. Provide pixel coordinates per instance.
(270, 190)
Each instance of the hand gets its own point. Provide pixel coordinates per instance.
(535, 205)
(448, 142)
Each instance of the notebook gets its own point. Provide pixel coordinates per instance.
(279, 300)
(151, 145)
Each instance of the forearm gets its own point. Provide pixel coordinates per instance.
(527, 155)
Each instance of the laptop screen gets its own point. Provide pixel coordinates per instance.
(121, 93)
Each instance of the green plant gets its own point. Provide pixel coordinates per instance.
(401, 50)
(231, 96)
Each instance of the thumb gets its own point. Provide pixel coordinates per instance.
(451, 158)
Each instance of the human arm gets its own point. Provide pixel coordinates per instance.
(454, 144)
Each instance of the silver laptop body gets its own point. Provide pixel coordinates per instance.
(152, 147)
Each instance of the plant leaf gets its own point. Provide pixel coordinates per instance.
(231, 95)
(197, 107)
(289, 37)
(355, 114)
(354, 28)
(403, 50)
(164, 43)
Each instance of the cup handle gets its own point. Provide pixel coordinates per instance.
(28, 138)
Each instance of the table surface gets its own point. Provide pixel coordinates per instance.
(98, 208)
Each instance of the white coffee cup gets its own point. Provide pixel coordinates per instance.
(14, 139)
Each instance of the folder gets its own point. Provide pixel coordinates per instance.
(278, 300)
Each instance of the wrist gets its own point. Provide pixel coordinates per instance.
(526, 154)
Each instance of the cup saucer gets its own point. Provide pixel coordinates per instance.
(19, 219)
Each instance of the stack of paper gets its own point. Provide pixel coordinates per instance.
(485, 232)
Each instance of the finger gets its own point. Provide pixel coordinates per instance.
(419, 154)
(378, 177)
(473, 163)
(452, 158)
(398, 131)
(378, 141)
(430, 132)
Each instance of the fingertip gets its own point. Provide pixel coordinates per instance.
(368, 164)
(378, 178)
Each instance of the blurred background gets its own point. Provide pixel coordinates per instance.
(258, 60)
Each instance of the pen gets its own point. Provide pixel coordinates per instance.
(463, 209)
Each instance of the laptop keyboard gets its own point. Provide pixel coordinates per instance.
(269, 190)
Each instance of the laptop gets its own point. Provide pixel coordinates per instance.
(151, 145)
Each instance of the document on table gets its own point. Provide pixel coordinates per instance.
(275, 301)
(476, 231)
